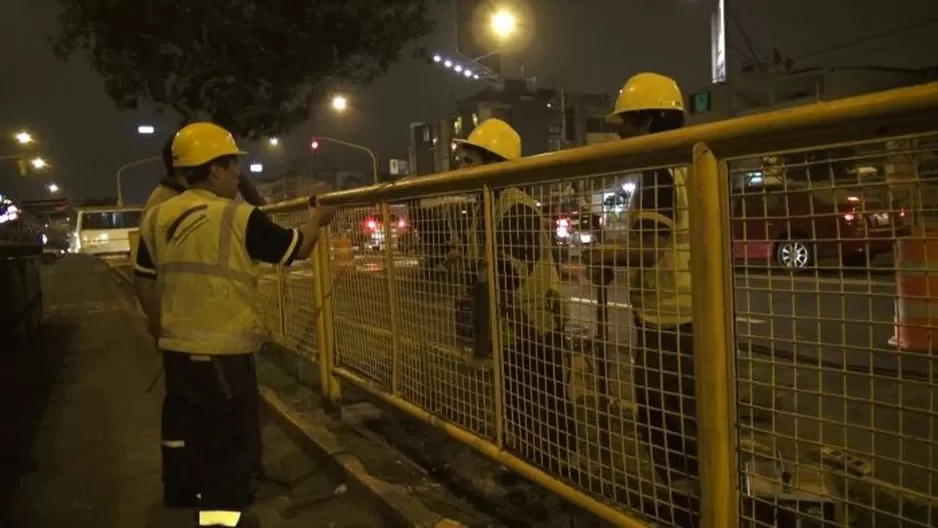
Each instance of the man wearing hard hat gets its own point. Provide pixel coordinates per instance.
(201, 247)
(175, 469)
(657, 254)
(533, 319)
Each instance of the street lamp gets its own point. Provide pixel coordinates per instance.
(504, 23)
(53, 188)
(256, 167)
(146, 130)
(273, 142)
(24, 138)
(339, 103)
(38, 163)
(122, 168)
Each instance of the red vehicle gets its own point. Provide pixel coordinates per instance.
(795, 225)
(371, 235)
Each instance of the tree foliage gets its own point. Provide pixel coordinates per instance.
(255, 66)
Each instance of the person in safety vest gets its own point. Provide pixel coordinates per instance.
(658, 257)
(175, 470)
(202, 247)
(538, 412)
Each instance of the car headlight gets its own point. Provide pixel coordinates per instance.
(45, 239)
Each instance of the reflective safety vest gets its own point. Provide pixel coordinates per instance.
(207, 279)
(661, 295)
(164, 191)
(539, 296)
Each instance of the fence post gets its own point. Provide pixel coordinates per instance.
(498, 374)
(392, 297)
(323, 286)
(714, 339)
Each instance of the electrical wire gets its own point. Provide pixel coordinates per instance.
(868, 38)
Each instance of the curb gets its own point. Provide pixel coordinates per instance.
(396, 502)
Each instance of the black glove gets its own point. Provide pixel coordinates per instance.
(249, 192)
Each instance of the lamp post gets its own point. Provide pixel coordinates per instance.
(122, 168)
(374, 159)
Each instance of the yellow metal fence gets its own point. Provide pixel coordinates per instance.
(772, 363)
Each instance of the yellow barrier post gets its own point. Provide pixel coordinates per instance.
(322, 277)
(714, 339)
(498, 377)
(389, 242)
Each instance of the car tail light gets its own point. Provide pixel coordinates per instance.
(563, 223)
(901, 213)
(371, 224)
(850, 217)
(401, 224)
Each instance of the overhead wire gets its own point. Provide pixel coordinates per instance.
(867, 38)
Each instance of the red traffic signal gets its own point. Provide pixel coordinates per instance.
(314, 145)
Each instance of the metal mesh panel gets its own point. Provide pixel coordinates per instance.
(435, 270)
(268, 300)
(295, 285)
(360, 293)
(836, 379)
(574, 345)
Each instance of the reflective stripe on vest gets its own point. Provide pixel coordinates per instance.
(539, 294)
(661, 295)
(207, 278)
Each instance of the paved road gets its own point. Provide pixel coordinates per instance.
(80, 436)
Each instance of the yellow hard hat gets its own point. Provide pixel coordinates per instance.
(647, 91)
(495, 136)
(200, 143)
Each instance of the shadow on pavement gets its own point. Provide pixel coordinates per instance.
(27, 385)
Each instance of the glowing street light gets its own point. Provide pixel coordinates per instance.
(437, 58)
(53, 188)
(38, 163)
(504, 24)
(273, 142)
(146, 130)
(256, 167)
(24, 138)
(339, 103)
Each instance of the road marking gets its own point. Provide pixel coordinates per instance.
(627, 306)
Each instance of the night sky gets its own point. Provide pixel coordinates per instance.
(589, 45)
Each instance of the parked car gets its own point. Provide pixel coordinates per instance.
(794, 225)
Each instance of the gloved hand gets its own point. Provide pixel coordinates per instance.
(249, 192)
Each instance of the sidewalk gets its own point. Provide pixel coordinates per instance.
(80, 437)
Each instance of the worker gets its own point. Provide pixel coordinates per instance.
(537, 409)
(176, 470)
(201, 247)
(657, 255)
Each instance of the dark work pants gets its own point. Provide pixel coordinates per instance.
(666, 398)
(257, 444)
(210, 400)
(538, 412)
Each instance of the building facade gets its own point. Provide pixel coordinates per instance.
(756, 92)
(547, 120)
